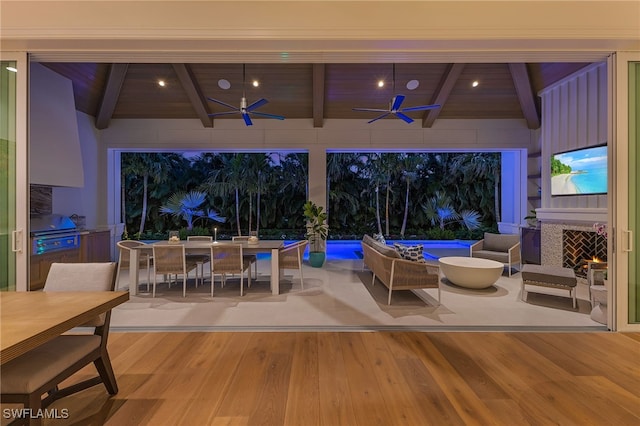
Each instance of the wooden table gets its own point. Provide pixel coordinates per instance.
(29, 319)
(203, 247)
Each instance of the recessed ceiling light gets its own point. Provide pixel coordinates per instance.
(413, 84)
(161, 83)
(255, 83)
(224, 84)
(12, 69)
(475, 83)
(380, 83)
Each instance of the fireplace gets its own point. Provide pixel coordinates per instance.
(581, 248)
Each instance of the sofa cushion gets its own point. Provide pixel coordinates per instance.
(492, 255)
(368, 240)
(385, 250)
(499, 242)
(379, 238)
(555, 275)
(413, 253)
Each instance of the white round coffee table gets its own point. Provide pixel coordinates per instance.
(471, 272)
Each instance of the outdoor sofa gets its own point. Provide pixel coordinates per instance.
(397, 273)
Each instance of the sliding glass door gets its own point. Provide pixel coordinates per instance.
(625, 204)
(13, 175)
(632, 235)
(7, 174)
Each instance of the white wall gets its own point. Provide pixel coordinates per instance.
(445, 135)
(84, 201)
(338, 135)
(54, 146)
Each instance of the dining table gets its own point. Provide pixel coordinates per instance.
(204, 247)
(29, 319)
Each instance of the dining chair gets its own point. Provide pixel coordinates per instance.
(251, 257)
(227, 258)
(144, 259)
(40, 371)
(200, 259)
(291, 255)
(170, 259)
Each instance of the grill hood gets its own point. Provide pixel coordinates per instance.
(51, 224)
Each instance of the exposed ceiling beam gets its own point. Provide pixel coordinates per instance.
(318, 95)
(195, 95)
(117, 73)
(442, 92)
(525, 94)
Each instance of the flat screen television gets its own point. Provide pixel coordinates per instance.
(579, 172)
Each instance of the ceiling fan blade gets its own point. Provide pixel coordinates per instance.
(370, 109)
(420, 108)
(224, 104)
(247, 119)
(215, 114)
(257, 104)
(264, 114)
(396, 102)
(404, 117)
(378, 118)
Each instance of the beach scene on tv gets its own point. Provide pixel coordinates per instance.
(579, 172)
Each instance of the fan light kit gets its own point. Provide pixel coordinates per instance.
(244, 109)
(395, 104)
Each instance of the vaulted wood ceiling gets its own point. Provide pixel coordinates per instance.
(311, 91)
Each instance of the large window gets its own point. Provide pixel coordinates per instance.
(427, 195)
(234, 193)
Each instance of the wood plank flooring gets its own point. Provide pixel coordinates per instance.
(367, 378)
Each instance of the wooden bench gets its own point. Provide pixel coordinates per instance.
(550, 277)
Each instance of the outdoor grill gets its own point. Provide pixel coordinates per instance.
(53, 232)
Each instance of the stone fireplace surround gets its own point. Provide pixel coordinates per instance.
(554, 223)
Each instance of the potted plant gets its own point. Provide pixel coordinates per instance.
(317, 231)
(532, 219)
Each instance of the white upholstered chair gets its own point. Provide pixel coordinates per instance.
(27, 378)
(144, 259)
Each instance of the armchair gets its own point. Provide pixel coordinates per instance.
(504, 248)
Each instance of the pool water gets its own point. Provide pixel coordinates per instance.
(433, 249)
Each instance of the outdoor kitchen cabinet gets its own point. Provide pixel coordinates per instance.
(41, 263)
(95, 246)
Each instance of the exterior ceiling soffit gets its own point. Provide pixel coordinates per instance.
(318, 94)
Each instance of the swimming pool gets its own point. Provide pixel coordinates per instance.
(433, 249)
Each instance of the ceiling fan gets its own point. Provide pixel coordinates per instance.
(395, 106)
(244, 109)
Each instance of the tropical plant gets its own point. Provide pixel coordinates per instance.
(317, 228)
(409, 174)
(150, 166)
(186, 206)
(230, 178)
(440, 212)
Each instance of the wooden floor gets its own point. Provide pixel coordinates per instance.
(368, 378)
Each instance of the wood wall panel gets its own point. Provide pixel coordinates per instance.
(574, 116)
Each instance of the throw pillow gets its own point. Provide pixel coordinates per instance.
(413, 253)
(379, 238)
